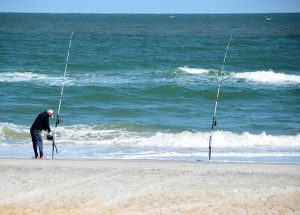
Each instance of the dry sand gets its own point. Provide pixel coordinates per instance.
(147, 187)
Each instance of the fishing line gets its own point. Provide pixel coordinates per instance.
(214, 121)
(60, 99)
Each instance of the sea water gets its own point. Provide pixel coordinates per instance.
(142, 86)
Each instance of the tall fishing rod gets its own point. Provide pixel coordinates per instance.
(60, 99)
(214, 121)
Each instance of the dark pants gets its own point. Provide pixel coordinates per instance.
(37, 141)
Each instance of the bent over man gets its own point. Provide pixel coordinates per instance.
(40, 123)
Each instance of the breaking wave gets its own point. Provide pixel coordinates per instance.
(33, 77)
(113, 142)
(110, 135)
(268, 77)
(260, 77)
(193, 70)
(87, 79)
(257, 77)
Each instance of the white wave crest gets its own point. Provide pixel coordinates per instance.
(32, 77)
(268, 77)
(100, 135)
(76, 79)
(221, 139)
(21, 76)
(193, 71)
(10, 131)
(246, 139)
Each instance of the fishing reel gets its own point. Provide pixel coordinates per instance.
(58, 120)
(214, 123)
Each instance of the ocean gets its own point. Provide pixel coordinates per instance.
(143, 86)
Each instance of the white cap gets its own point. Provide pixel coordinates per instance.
(50, 113)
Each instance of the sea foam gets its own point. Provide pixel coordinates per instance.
(193, 70)
(268, 77)
(102, 135)
(110, 142)
(259, 77)
(37, 78)
(87, 79)
(21, 76)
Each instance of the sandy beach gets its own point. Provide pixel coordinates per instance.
(147, 187)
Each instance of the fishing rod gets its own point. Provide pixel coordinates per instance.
(61, 96)
(214, 121)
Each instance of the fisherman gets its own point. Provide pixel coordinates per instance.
(40, 123)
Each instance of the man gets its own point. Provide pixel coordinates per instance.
(40, 123)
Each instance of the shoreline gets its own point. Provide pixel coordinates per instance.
(48, 158)
(62, 186)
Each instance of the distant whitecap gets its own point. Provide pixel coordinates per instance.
(37, 78)
(268, 77)
(193, 70)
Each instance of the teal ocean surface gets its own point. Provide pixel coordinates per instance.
(144, 86)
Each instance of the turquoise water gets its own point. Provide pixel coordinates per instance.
(144, 86)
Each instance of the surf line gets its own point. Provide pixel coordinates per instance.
(214, 121)
(60, 99)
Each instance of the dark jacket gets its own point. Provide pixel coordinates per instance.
(41, 122)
